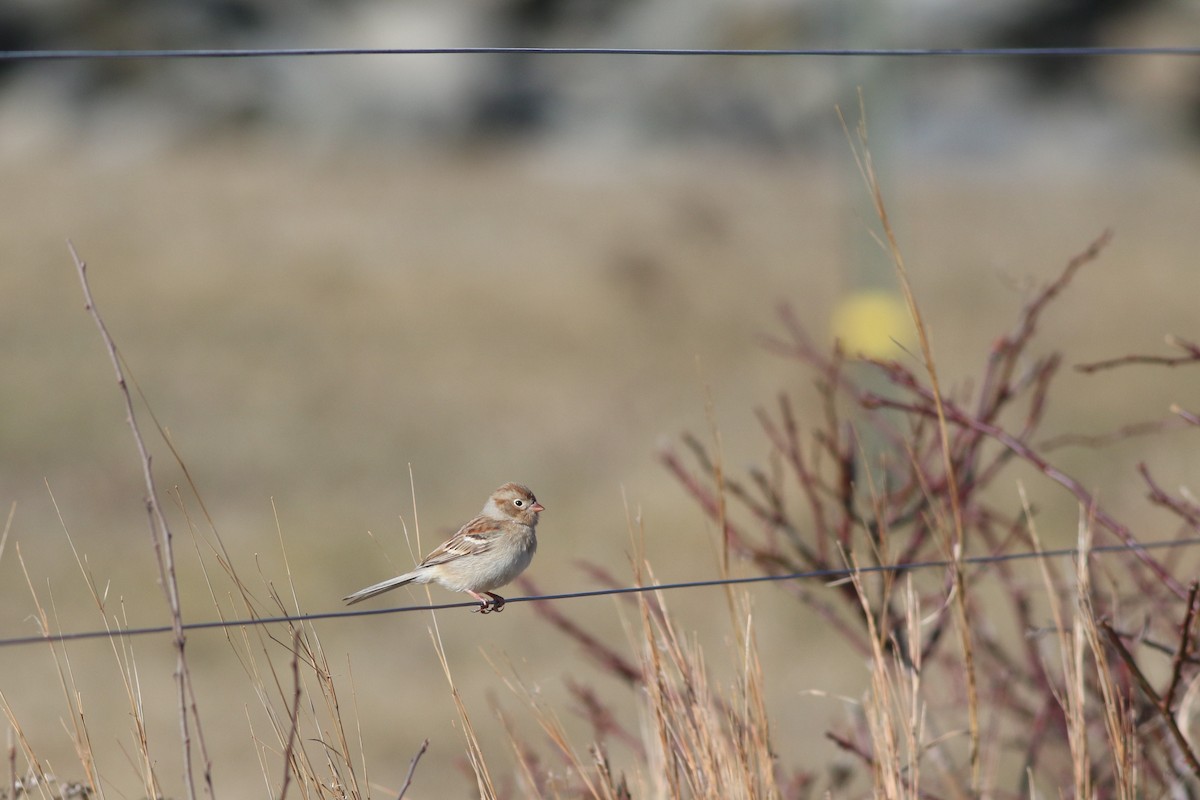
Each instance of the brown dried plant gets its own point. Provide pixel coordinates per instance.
(910, 474)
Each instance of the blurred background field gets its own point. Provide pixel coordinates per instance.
(324, 272)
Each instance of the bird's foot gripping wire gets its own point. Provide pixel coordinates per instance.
(492, 602)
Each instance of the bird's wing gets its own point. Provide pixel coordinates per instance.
(475, 538)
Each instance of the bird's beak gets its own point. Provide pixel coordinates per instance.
(537, 507)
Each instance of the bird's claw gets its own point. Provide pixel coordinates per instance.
(494, 602)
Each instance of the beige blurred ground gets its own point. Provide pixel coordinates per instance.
(310, 324)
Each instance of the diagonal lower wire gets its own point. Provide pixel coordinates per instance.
(843, 572)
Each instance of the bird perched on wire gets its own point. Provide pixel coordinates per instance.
(486, 553)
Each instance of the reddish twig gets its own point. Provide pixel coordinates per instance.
(710, 502)
(1104, 439)
(1187, 511)
(1122, 361)
(1191, 356)
(1183, 650)
(1187, 416)
(606, 579)
(1036, 736)
(412, 768)
(1005, 355)
(853, 748)
(1018, 595)
(601, 718)
(786, 440)
(1142, 639)
(608, 658)
(1144, 684)
(294, 715)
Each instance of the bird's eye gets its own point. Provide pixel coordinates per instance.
(519, 503)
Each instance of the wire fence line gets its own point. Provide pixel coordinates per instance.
(838, 573)
(880, 52)
(833, 573)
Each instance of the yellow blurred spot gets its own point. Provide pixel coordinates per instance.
(870, 323)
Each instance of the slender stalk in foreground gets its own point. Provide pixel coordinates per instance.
(160, 533)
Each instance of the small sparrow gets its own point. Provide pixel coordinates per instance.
(486, 553)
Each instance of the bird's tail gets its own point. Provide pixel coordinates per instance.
(381, 587)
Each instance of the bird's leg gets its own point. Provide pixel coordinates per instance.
(497, 601)
(485, 603)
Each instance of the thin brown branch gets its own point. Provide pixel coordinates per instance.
(1184, 414)
(1006, 354)
(160, 533)
(1142, 639)
(601, 718)
(1184, 649)
(853, 748)
(412, 768)
(1114, 437)
(1187, 511)
(604, 578)
(712, 503)
(1191, 356)
(293, 716)
(787, 442)
(1144, 684)
(604, 655)
(1122, 361)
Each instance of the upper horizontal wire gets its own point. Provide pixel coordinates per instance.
(288, 52)
(843, 572)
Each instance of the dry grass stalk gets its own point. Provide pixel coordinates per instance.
(711, 745)
(483, 776)
(894, 708)
(1087, 673)
(295, 724)
(164, 551)
(582, 768)
(698, 741)
(127, 671)
(310, 738)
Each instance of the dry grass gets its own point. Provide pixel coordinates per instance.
(313, 371)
